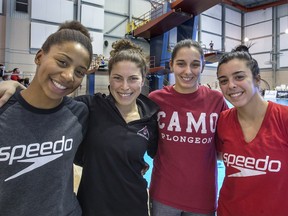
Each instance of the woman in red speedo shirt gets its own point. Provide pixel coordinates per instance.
(253, 139)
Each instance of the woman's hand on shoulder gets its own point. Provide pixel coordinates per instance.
(7, 89)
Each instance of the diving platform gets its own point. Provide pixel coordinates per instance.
(212, 56)
(149, 25)
(161, 24)
(194, 7)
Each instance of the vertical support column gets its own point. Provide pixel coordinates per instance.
(223, 27)
(165, 55)
(8, 9)
(195, 27)
(243, 30)
(159, 49)
(156, 48)
(199, 29)
(274, 46)
(78, 15)
(90, 79)
(90, 84)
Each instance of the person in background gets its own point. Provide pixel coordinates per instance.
(184, 176)
(94, 64)
(15, 74)
(122, 127)
(253, 141)
(36, 172)
(21, 81)
(211, 45)
(5, 78)
(2, 70)
(27, 82)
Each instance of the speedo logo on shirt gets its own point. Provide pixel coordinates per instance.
(38, 154)
(249, 166)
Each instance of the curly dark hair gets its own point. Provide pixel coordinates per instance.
(125, 50)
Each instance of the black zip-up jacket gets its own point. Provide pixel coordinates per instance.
(112, 158)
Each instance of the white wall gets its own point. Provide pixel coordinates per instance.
(258, 27)
(18, 29)
(1, 6)
(96, 2)
(211, 27)
(283, 38)
(233, 29)
(2, 38)
(117, 16)
(56, 11)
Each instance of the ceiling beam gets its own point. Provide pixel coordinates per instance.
(234, 4)
(255, 8)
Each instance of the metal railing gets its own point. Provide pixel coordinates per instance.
(157, 11)
(152, 61)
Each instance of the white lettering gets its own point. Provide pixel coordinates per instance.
(191, 124)
(213, 122)
(68, 144)
(240, 161)
(184, 139)
(4, 155)
(201, 122)
(252, 163)
(13, 156)
(249, 162)
(159, 115)
(34, 147)
(59, 144)
(277, 166)
(35, 150)
(174, 122)
(197, 140)
(45, 147)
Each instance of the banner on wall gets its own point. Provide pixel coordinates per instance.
(273, 94)
(270, 94)
(282, 94)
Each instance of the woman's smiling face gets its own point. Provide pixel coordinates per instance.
(61, 70)
(126, 83)
(187, 67)
(236, 82)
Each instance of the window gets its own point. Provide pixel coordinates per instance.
(22, 6)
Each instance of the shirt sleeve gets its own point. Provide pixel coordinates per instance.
(153, 142)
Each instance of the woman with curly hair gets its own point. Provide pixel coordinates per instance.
(122, 126)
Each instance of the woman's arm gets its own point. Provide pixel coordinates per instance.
(153, 142)
(7, 89)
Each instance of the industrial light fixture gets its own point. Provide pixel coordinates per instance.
(246, 39)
